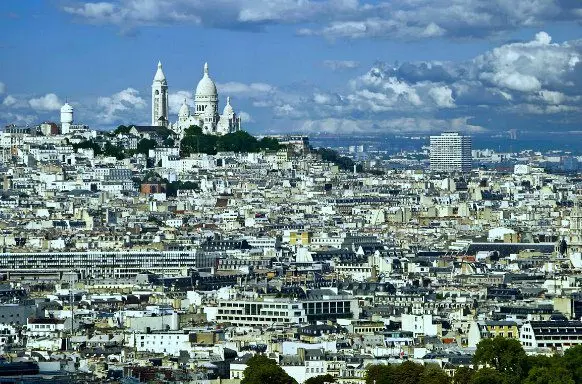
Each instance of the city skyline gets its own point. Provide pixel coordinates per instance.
(307, 67)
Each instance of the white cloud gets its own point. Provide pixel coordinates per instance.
(2, 88)
(442, 18)
(246, 117)
(552, 97)
(125, 101)
(320, 98)
(217, 13)
(403, 19)
(17, 118)
(252, 89)
(514, 81)
(337, 65)
(442, 96)
(176, 99)
(48, 102)
(529, 66)
(288, 111)
(390, 126)
(9, 101)
(433, 30)
(504, 84)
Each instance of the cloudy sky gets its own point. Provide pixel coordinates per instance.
(327, 66)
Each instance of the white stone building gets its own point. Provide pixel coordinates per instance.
(205, 114)
(160, 103)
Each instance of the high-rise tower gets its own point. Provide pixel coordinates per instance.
(450, 152)
(160, 108)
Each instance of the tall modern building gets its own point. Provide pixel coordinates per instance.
(450, 152)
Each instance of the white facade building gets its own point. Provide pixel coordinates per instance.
(160, 103)
(115, 265)
(66, 118)
(450, 152)
(205, 114)
(551, 334)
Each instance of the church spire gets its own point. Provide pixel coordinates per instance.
(160, 74)
(206, 68)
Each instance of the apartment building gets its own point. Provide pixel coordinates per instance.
(551, 334)
(450, 152)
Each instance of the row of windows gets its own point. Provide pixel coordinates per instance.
(255, 319)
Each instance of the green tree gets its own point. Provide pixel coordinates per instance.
(332, 156)
(321, 379)
(463, 375)
(122, 129)
(88, 144)
(549, 375)
(408, 373)
(379, 374)
(487, 376)
(433, 374)
(572, 360)
(260, 370)
(270, 144)
(144, 146)
(113, 151)
(193, 130)
(239, 141)
(505, 355)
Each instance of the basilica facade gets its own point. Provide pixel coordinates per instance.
(205, 113)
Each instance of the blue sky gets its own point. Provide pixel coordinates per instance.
(329, 66)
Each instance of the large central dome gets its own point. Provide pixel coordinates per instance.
(206, 86)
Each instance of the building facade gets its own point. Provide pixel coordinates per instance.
(108, 265)
(205, 114)
(450, 152)
(551, 334)
(269, 311)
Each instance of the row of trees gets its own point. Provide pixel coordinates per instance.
(343, 162)
(195, 141)
(503, 361)
(111, 150)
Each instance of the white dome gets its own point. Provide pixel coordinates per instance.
(206, 86)
(184, 110)
(67, 108)
(160, 77)
(228, 110)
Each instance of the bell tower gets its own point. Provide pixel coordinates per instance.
(160, 108)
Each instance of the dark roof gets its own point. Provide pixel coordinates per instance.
(145, 128)
(506, 249)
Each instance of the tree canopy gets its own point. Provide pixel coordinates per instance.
(260, 369)
(406, 373)
(321, 379)
(343, 162)
(195, 141)
(505, 355)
